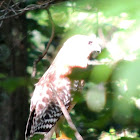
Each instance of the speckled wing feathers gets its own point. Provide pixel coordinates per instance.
(45, 110)
(46, 120)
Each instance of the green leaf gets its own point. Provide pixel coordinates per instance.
(37, 137)
(2, 75)
(100, 73)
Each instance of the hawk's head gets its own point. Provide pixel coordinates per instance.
(76, 51)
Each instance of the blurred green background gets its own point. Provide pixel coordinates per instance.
(109, 106)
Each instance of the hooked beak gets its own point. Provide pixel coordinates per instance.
(97, 48)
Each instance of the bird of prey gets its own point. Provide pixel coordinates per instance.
(45, 111)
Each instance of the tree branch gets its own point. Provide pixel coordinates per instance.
(48, 45)
(66, 115)
(105, 61)
(8, 10)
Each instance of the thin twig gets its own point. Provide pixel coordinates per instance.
(10, 11)
(101, 62)
(109, 62)
(48, 45)
(66, 115)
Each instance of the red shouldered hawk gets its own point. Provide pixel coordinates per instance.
(44, 109)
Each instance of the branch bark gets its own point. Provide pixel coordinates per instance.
(12, 10)
(66, 115)
(48, 45)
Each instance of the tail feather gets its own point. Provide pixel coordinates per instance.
(29, 124)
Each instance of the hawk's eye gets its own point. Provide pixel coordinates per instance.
(90, 42)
